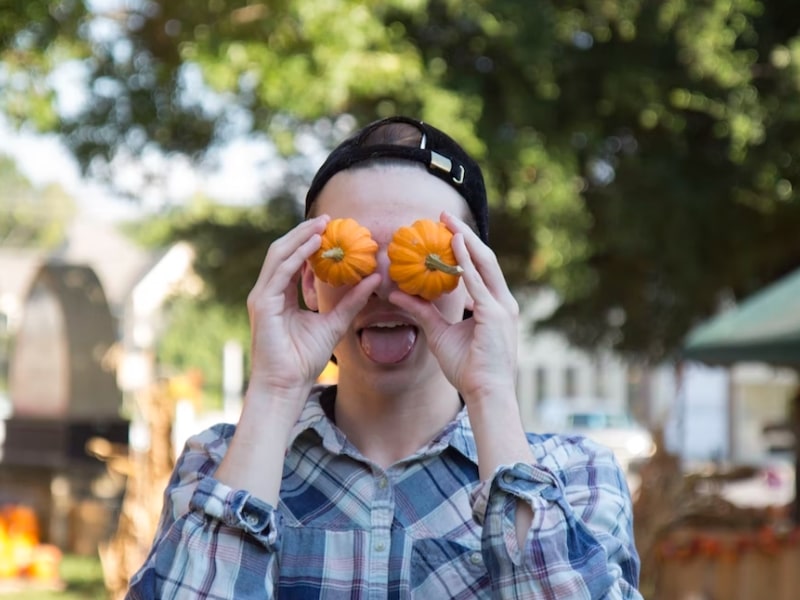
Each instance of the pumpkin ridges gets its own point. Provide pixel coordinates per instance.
(412, 266)
(347, 253)
(405, 258)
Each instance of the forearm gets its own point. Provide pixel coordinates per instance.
(254, 460)
(499, 434)
(500, 439)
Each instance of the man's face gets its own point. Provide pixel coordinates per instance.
(384, 198)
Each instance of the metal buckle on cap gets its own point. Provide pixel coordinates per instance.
(442, 162)
(460, 179)
(446, 165)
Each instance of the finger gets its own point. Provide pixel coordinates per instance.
(481, 257)
(473, 281)
(482, 294)
(353, 301)
(288, 253)
(426, 314)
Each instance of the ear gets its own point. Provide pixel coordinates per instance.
(307, 281)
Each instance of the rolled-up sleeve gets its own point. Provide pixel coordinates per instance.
(212, 541)
(580, 542)
(237, 509)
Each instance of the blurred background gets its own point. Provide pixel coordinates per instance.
(641, 164)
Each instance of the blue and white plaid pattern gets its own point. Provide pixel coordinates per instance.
(426, 528)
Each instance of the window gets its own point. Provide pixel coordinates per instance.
(599, 378)
(540, 384)
(570, 382)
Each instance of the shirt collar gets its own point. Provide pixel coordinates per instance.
(317, 415)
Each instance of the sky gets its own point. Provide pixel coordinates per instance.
(43, 160)
(242, 171)
(237, 173)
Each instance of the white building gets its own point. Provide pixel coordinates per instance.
(707, 413)
(551, 372)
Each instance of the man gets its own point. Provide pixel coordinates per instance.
(412, 477)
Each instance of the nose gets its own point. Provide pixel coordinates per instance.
(387, 285)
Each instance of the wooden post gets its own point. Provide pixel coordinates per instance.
(795, 419)
(147, 475)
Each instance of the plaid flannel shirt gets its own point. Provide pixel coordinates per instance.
(425, 528)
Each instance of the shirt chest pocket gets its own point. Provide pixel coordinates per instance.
(446, 569)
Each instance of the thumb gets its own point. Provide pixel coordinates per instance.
(353, 301)
(425, 313)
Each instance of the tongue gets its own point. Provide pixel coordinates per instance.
(388, 345)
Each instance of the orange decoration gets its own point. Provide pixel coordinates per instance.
(21, 521)
(21, 553)
(766, 541)
(421, 261)
(346, 255)
(45, 563)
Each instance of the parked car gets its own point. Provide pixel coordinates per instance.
(631, 443)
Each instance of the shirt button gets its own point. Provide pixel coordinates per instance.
(252, 520)
(475, 558)
(383, 482)
(380, 547)
(508, 477)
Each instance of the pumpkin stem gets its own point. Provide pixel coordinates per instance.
(336, 254)
(434, 263)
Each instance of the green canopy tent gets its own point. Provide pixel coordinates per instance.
(765, 327)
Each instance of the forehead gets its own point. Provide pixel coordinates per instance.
(390, 194)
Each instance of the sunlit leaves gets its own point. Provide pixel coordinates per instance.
(31, 217)
(185, 346)
(36, 36)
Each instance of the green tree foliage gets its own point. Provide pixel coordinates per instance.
(31, 217)
(195, 338)
(641, 156)
(230, 245)
(230, 242)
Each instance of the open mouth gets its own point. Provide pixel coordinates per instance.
(388, 342)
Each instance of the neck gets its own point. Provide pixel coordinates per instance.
(388, 427)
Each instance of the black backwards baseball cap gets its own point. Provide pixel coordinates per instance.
(442, 155)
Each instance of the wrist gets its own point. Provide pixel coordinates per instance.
(499, 434)
(491, 401)
(254, 458)
(264, 397)
(270, 411)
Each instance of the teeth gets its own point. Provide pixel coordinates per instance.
(388, 324)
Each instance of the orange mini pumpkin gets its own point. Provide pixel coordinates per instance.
(347, 253)
(45, 564)
(421, 260)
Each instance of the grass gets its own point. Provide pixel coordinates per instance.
(83, 579)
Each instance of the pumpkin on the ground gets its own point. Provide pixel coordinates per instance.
(421, 261)
(45, 563)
